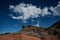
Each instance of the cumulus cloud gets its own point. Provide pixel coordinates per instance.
(32, 11)
(45, 11)
(55, 10)
(29, 10)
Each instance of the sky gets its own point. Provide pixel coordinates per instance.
(40, 13)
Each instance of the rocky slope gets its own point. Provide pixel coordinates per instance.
(34, 33)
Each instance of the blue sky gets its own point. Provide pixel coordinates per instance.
(8, 14)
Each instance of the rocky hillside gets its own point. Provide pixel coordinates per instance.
(54, 30)
(34, 33)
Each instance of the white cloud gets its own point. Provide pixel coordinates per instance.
(11, 7)
(29, 10)
(37, 24)
(45, 11)
(55, 10)
(14, 17)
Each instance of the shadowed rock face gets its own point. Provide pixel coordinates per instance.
(54, 30)
(34, 33)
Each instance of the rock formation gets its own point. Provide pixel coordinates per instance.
(34, 33)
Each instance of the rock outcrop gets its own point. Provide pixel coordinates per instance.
(34, 33)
